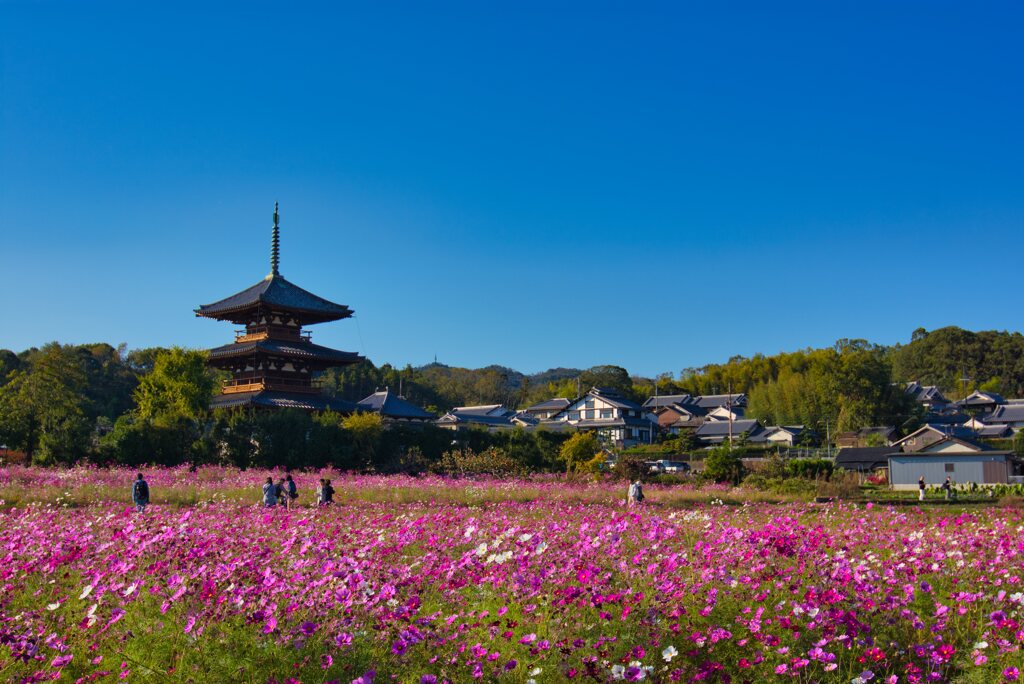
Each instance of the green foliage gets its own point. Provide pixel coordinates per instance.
(809, 468)
(845, 387)
(723, 465)
(991, 359)
(44, 408)
(136, 442)
(366, 430)
(631, 467)
(1018, 444)
(578, 450)
(492, 461)
(179, 387)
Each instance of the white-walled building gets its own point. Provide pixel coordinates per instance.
(614, 417)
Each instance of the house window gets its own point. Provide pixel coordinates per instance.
(950, 468)
(574, 415)
(606, 414)
(589, 403)
(589, 415)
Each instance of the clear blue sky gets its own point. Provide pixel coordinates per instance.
(534, 185)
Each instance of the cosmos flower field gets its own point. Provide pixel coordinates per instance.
(566, 583)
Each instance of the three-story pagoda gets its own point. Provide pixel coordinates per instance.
(272, 361)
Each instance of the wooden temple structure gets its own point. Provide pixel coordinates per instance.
(273, 362)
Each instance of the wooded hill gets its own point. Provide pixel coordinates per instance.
(74, 394)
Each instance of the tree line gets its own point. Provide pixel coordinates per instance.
(63, 403)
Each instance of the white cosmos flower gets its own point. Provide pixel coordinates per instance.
(618, 672)
(669, 653)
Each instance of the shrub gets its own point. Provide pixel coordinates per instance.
(631, 468)
(492, 461)
(809, 468)
(723, 465)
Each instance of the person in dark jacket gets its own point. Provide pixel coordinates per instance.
(291, 490)
(140, 493)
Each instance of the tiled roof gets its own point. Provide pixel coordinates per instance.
(476, 419)
(556, 404)
(863, 458)
(306, 350)
(494, 410)
(391, 406)
(721, 427)
(275, 292)
(978, 398)
(710, 401)
(1007, 413)
(666, 400)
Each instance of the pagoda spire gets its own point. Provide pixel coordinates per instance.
(275, 243)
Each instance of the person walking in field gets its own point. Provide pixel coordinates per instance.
(947, 488)
(328, 492)
(320, 493)
(635, 494)
(269, 493)
(140, 493)
(920, 488)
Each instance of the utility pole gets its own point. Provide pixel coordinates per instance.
(728, 406)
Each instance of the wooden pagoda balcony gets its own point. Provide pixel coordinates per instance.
(262, 332)
(237, 386)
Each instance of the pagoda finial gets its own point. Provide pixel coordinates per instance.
(275, 242)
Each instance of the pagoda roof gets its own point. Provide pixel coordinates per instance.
(275, 292)
(280, 400)
(305, 350)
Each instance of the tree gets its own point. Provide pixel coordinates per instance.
(365, 430)
(180, 386)
(723, 465)
(578, 450)
(43, 406)
(613, 377)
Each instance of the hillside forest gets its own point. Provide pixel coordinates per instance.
(65, 403)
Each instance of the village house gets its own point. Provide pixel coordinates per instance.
(785, 435)
(981, 402)
(962, 460)
(715, 432)
(1010, 414)
(393, 408)
(676, 417)
(491, 417)
(929, 434)
(928, 396)
(547, 409)
(864, 460)
(725, 412)
(614, 417)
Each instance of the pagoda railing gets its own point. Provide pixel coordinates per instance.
(238, 385)
(262, 332)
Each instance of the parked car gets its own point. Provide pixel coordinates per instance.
(667, 466)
